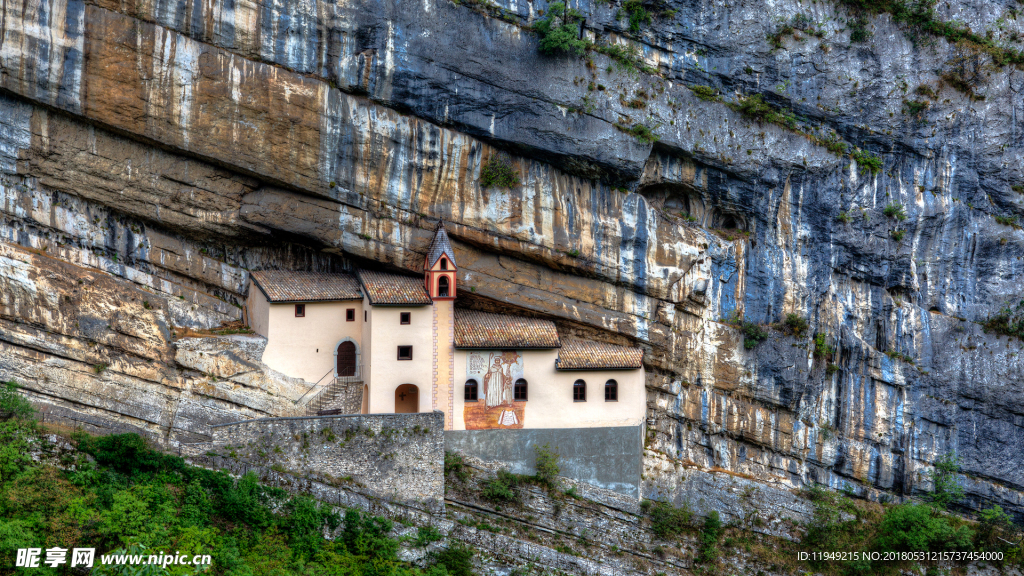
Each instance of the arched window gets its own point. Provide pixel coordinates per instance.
(611, 391)
(442, 286)
(471, 391)
(579, 391)
(519, 392)
(444, 263)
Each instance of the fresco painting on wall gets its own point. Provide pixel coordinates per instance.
(497, 372)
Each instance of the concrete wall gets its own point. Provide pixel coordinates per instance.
(550, 403)
(606, 457)
(398, 456)
(387, 372)
(306, 347)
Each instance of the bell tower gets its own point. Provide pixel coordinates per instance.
(439, 268)
(439, 276)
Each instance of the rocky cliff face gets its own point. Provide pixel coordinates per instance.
(154, 152)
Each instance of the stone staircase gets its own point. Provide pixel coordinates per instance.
(343, 396)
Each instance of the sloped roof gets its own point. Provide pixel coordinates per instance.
(586, 355)
(440, 245)
(386, 289)
(484, 330)
(292, 286)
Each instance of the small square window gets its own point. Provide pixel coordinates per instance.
(406, 317)
(350, 315)
(405, 352)
(300, 310)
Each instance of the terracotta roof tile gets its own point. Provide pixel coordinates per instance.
(292, 286)
(386, 289)
(440, 245)
(483, 330)
(586, 355)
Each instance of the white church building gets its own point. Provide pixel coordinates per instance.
(402, 341)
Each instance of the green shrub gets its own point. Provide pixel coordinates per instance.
(667, 521)
(917, 528)
(895, 211)
(867, 161)
(498, 172)
(753, 335)
(642, 133)
(426, 535)
(546, 466)
(559, 31)
(1007, 220)
(455, 465)
(705, 92)
(707, 552)
(843, 217)
(457, 560)
(1008, 322)
(831, 369)
(13, 404)
(502, 488)
(915, 107)
(638, 15)
(859, 30)
(1018, 188)
(822, 349)
(897, 235)
(796, 324)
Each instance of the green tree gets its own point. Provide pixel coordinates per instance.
(560, 31)
(946, 487)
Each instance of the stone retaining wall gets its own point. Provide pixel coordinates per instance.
(396, 456)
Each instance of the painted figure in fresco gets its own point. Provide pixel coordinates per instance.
(499, 380)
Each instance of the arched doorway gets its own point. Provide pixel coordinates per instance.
(346, 359)
(407, 399)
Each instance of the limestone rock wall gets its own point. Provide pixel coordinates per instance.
(152, 153)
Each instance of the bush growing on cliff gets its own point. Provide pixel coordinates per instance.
(559, 31)
(895, 211)
(753, 335)
(12, 403)
(667, 521)
(1008, 322)
(502, 488)
(546, 467)
(796, 324)
(822, 349)
(498, 172)
(708, 539)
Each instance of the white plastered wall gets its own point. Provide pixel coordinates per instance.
(387, 333)
(305, 347)
(550, 403)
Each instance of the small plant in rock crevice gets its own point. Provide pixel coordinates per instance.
(895, 211)
(498, 172)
